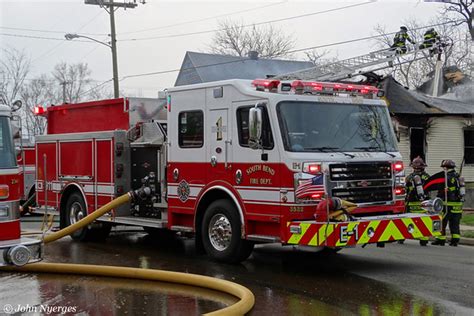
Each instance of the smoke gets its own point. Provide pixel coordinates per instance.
(463, 92)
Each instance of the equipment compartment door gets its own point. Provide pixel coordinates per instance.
(220, 144)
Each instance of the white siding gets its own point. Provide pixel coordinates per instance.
(445, 138)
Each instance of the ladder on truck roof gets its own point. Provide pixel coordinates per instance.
(359, 65)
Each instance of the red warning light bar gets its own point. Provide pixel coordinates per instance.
(265, 84)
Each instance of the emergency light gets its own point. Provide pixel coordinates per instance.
(398, 166)
(329, 87)
(263, 84)
(39, 110)
(312, 168)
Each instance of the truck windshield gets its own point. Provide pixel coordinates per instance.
(332, 127)
(7, 151)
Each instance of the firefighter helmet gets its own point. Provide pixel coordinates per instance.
(403, 28)
(418, 163)
(448, 163)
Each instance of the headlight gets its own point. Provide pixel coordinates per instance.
(4, 210)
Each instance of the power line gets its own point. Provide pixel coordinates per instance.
(39, 37)
(199, 32)
(205, 19)
(253, 24)
(61, 43)
(292, 51)
(365, 38)
(44, 31)
(95, 87)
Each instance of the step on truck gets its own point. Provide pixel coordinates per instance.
(234, 163)
(14, 249)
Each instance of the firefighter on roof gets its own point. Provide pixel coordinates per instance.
(400, 41)
(429, 39)
(414, 196)
(452, 195)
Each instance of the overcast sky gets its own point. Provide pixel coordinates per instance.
(171, 20)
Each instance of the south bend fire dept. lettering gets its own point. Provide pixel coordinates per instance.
(264, 168)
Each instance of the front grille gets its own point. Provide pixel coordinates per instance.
(364, 195)
(361, 182)
(360, 171)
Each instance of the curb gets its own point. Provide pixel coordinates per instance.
(466, 241)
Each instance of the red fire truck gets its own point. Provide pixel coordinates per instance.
(13, 248)
(234, 163)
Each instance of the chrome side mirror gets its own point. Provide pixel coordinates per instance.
(255, 127)
(16, 105)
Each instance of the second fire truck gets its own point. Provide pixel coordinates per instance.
(14, 249)
(234, 163)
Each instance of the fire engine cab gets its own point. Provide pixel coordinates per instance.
(233, 162)
(14, 250)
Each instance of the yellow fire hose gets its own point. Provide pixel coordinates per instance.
(88, 219)
(244, 305)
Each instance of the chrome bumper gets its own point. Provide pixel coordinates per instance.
(19, 252)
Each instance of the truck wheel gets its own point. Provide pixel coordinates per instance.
(75, 211)
(221, 233)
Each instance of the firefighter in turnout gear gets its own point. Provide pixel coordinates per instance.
(452, 197)
(400, 41)
(413, 182)
(429, 39)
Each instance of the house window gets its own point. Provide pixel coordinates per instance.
(469, 146)
(243, 126)
(191, 130)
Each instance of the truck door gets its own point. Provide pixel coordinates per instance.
(260, 185)
(220, 144)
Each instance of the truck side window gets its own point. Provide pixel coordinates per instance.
(243, 128)
(191, 129)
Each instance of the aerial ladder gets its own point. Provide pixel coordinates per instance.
(373, 61)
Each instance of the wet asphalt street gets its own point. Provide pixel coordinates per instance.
(396, 280)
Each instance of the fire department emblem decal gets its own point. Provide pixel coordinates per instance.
(183, 191)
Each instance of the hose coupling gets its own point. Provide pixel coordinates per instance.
(140, 194)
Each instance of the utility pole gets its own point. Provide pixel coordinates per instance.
(113, 44)
(110, 6)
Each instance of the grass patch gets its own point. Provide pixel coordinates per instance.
(467, 219)
(468, 234)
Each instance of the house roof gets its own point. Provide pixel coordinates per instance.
(404, 101)
(202, 67)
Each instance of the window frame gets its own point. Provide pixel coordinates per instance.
(265, 121)
(470, 147)
(180, 144)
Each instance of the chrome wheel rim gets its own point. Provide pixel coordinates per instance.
(220, 232)
(76, 212)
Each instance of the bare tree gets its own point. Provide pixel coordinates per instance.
(14, 67)
(236, 39)
(75, 78)
(319, 58)
(38, 91)
(414, 69)
(463, 9)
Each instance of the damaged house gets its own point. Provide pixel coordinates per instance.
(434, 129)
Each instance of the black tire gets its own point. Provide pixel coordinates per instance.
(75, 211)
(221, 233)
